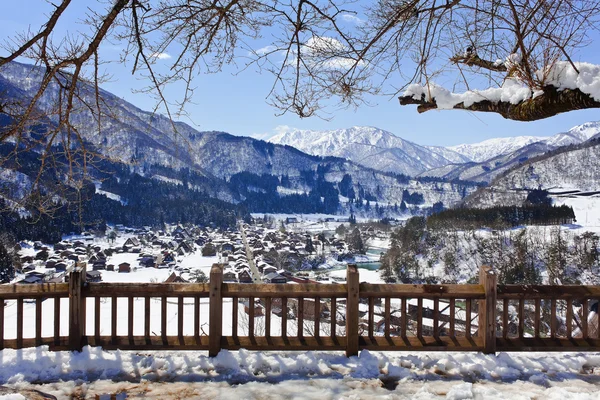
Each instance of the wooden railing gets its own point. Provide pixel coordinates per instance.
(350, 317)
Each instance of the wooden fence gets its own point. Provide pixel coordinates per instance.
(350, 317)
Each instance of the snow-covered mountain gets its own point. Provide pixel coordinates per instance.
(491, 148)
(144, 140)
(371, 147)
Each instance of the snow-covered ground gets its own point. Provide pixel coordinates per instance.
(307, 375)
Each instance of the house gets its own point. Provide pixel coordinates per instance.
(60, 266)
(291, 220)
(110, 267)
(229, 276)
(245, 277)
(125, 267)
(93, 276)
(99, 265)
(308, 311)
(174, 278)
(258, 308)
(274, 277)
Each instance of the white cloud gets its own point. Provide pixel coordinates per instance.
(161, 56)
(265, 50)
(352, 19)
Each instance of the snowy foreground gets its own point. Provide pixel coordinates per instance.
(95, 373)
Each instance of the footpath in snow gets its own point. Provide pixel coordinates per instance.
(242, 374)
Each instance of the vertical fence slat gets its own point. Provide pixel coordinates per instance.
(436, 318)
(130, 316)
(215, 317)
(317, 312)
(403, 318)
(505, 318)
(420, 317)
(163, 318)
(19, 323)
(371, 316)
(569, 317)
(388, 316)
(538, 311)
(300, 316)
(113, 319)
(268, 317)
(57, 320)
(197, 318)
(284, 316)
(452, 317)
(180, 316)
(2, 324)
(251, 306)
(333, 317)
(97, 317)
(76, 308)
(468, 319)
(584, 319)
(147, 318)
(352, 282)
(553, 318)
(234, 320)
(38, 321)
(521, 317)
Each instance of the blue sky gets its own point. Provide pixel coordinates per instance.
(236, 103)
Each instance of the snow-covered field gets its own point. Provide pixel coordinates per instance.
(311, 375)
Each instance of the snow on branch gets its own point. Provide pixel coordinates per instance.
(563, 87)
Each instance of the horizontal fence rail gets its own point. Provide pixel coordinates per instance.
(349, 317)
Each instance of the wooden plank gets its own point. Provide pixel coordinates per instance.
(560, 292)
(468, 319)
(553, 318)
(180, 316)
(333, 318)
(548, 344)
(371, 315)
(284, 343)
(234, 323)
(521, 313)
(537, 321)
(584, 318)
(308, 290)
(140, 289)
(420, 317)
(97, 316)
(352, 297)
(317, 317)
(148, 343)
(113, 316)
(38, 322)
(268, 317)
(20, 323)
(33, 291)
(57, 320)
(425, 343)
(428, 291)
(147, 317)
(452, 318)
(505, 318)
(215, 315)
(63, 343)
(130, 316)
(569, 320)
(403, 317)
(300, 317)
(76, 308)
(436, 318)
(284, 316)
(388, 316)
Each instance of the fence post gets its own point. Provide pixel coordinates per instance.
(215, 316)
(352, 310)
(76, 307)
(487, 309)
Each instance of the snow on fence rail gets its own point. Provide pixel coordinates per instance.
(166, 316)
